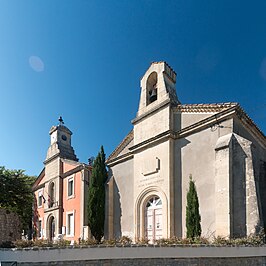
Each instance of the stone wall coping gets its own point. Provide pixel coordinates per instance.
(131, 252)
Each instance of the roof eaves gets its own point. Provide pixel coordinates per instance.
(213, 107)
(121, 146)
(38, 179)
(243, 115)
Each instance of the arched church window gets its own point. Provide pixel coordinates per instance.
(154, 202)
(151, 88)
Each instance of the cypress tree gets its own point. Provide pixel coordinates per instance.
(96, 196)
(192, 211)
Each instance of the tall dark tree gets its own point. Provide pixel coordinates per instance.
(96, 196)
(192, 211)
(16, 195)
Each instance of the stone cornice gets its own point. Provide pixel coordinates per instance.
(120, 159)
(61, 128)
(151, 111)
(162, 136)
(159, 62)
(207, 122)
(129, 137)
(225, 111)
(38, 187)
(75, 170)
(158, 138)
(52, 158)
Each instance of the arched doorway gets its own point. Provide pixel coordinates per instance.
(51, 228)
(153, 219)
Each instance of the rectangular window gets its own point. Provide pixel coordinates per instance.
(40, 229)
(39, 198)
(70, 185)
(70, 224)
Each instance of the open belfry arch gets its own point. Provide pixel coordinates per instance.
(218, 144)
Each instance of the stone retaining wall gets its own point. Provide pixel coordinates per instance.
(9, 226)
(257, 261)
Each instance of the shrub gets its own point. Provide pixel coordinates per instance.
(42, 243)
(7, 244)
(110, 242)
(142, 241)
(201, 240)
(89, 242)
(220, 241)
(164, 241)
(125, 240)
(23, 243)
(182, 241)
(62, 243)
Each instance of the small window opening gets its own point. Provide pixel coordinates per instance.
(70, 187)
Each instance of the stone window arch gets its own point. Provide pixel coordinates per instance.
(144, 201)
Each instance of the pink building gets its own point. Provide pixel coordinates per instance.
(61, 189)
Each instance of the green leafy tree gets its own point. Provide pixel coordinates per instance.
(96, 196)
(192, 211)
(16, 195)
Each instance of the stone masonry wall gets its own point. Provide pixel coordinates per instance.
(9, 226)
(255, 261)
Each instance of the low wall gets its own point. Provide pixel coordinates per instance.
(136, 256)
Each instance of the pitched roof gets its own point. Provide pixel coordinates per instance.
(129, 137)
(35, 186)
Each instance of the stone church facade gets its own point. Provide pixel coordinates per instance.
(218, 144)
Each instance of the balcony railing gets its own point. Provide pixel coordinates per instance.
(51, 206)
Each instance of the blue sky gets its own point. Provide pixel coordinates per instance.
(83, 60)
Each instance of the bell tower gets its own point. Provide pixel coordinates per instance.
(153, 149)
(60, 143)
(157, 86)
(157, 96)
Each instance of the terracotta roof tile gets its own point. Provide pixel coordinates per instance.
(205, 107)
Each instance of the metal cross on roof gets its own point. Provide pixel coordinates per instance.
(61, 121)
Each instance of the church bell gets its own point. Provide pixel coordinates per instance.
(153, 95)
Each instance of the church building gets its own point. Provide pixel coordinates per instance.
(217, 144)
(60, 191)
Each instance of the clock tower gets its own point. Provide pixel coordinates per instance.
(60, 145)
